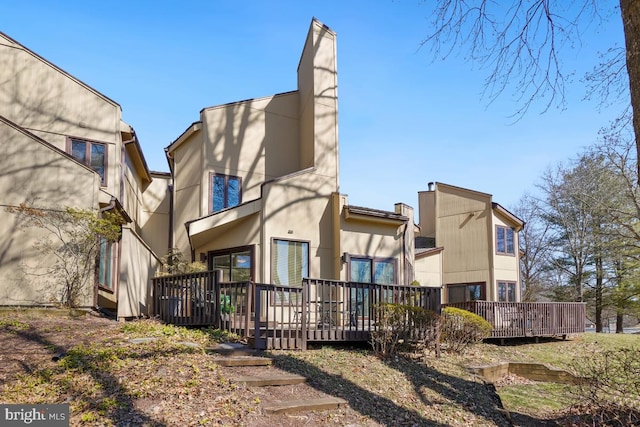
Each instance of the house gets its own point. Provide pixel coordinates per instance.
(256, 188)
(253, 190)
(480, 256)
(65, 145)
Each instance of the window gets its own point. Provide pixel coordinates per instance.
(236, 264)
(372, 270)
(507, 291)
(290, 262)
(226, 192)
(92, 154)
(505, 240)
(463, 292)
(105, 264)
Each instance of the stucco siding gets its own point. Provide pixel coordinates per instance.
(156, 207)
(428, 270)
(255, 140)
(137, 266)
(36, 174)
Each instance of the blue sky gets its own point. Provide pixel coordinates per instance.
(404, 120)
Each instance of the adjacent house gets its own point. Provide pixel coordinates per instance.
(480, 257)
(253, 190)
(65, 145)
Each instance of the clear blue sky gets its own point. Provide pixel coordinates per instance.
(404, 120)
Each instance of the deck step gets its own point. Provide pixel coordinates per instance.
(242, 361)
(303, 405)
(268, 380)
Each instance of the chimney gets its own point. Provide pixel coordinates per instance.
(431, 186)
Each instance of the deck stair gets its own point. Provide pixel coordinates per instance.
(245, 358)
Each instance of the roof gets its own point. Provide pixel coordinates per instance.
(510, 216)
(359, 212)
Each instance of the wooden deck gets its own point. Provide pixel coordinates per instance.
(284, 317)
(529, 319)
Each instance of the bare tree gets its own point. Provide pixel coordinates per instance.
(520, 42)
(71, 238)
(536, 249)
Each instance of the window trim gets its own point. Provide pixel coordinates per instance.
(373, 260)
(212, 176)
(507, 282)
(506, 247)
(89, 143)
(483, 290)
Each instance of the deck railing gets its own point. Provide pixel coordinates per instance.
(529, 319)
(328, 310)
(288, 317)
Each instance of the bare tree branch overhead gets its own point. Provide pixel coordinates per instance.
(519, 44)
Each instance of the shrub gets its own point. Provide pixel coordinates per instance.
(608, 392)
(399, 325)
(460, 329)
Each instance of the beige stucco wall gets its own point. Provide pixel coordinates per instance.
(188, 175)
(33, 172)
(155, 215)
(506, 266)
(255, 140)
(299, 208)
(53, 105)
(428, 269)
(137, 266)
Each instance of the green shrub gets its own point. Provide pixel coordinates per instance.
(460, 329)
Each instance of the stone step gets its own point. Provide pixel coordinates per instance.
(242, 361)
(231, 351)
(268, 380)
(303, 405)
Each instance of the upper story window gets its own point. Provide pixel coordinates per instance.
(92, 154)
(226, 191)
(505, 240)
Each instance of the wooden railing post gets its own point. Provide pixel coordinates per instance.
(217, 278)
(304, 312)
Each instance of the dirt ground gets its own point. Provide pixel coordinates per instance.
(92, 363)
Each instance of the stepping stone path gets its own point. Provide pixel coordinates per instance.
(238, 356)
(234, 355)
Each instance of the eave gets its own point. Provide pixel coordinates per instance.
(358, 213)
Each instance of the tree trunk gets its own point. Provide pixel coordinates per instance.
(630, 11)
(598, 292)
(619, 320)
